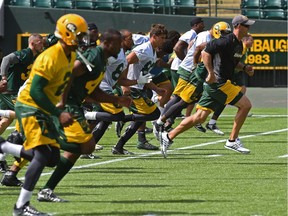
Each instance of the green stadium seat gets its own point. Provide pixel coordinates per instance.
(162, 6)
(284, 4)
(8, 2)
(275, 14)
(253, 13)
(272, 4)
(63, 3)
(251, 4)
(43, 3)
(84, 4)
(22, 3)
(145, 6)
(104, 5)
(184, 7)
(126, 5)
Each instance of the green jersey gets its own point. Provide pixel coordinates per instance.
(84, 85)
(19, 73)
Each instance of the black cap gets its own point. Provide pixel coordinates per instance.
(195, 21)
(92, 26)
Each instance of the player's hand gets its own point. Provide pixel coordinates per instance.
(66, 119)
(144, 78)
(3, 85)
(125, 90)
(124, 101)
(210, 78)
(249, 70)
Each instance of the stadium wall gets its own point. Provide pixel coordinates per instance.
(19, 20)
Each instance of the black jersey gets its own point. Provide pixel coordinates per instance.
(226, 53)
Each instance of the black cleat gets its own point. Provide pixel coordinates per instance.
(122, 151)
(147, 146)
(200, 128)
(10, 179)
(3, 166)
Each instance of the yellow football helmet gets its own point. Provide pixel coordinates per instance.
(221, 28)
(72, 29)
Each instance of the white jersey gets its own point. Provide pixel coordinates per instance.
(202, 37)
(186, 37)
(113, 71)
(147, 58)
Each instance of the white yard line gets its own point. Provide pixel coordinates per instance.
(158, 152)
(283, 156)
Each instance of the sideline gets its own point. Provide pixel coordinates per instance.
(158, 152)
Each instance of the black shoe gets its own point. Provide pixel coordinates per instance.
(27, 210)
(147, 146)
(4, 166)
(148, 130)
(10, 179)
(200, 128)
(122, 151)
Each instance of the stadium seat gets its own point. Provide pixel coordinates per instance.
(63, 3)
(253, 13)
(272, 4)
(251, 4)
(104, 5)
(275, 14)
(84, 4)
(126, 5)
(43, 3)
(162, 6)
(8, 2)
(184, 7)
(144, 6)
(23, 3)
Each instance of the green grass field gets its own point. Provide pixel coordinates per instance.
(199, 177)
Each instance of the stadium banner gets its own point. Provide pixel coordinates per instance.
(269, 52)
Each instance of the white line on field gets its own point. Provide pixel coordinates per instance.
(283, 156)
(158, 152)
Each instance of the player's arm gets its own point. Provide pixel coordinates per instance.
(207, 60)
(37, 93)
(197, 52)
(123, 81)
(132, 58)
(246, 68)
(39, 96)
(78, 70)
(99, 96)
(180, 49)
(6, 62)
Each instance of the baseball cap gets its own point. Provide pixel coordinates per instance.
(240, 19)
(195, 21)
(92, 26)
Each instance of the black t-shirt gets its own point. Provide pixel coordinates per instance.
(226, 53)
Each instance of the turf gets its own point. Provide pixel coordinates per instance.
(199, 177)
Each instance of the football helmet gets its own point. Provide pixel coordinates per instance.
(221, 28)
(72, 29)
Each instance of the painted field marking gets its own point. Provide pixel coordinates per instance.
(158, 152)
